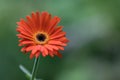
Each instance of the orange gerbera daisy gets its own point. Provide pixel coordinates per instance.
(41, 35)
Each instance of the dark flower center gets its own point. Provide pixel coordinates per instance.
(41, 37)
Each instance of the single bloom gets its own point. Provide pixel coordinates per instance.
(40, 34)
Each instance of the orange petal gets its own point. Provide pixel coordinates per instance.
(30, 22)
(59, 54)
(37, 54)
(23, 49)
(53, 47)
(23, 36)
(51, 53)
(44, 51)
(48, 18)
(56, 43)
(48, 47)
(59, 29)
(53, 24)
(62, 39)
(61, 48)
(58, 36)
(26, 26)
(42, 20)
(43, 16)
(31, 56)
(34, 17)
(35, 49)
(26, 34)
(30, 48)
(26, 42)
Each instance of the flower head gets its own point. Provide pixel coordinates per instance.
(40, 34)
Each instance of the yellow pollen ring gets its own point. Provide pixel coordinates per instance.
(41, 38)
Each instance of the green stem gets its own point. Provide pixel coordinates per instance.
(35, 67)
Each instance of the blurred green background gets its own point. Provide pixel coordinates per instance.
(92, 26)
